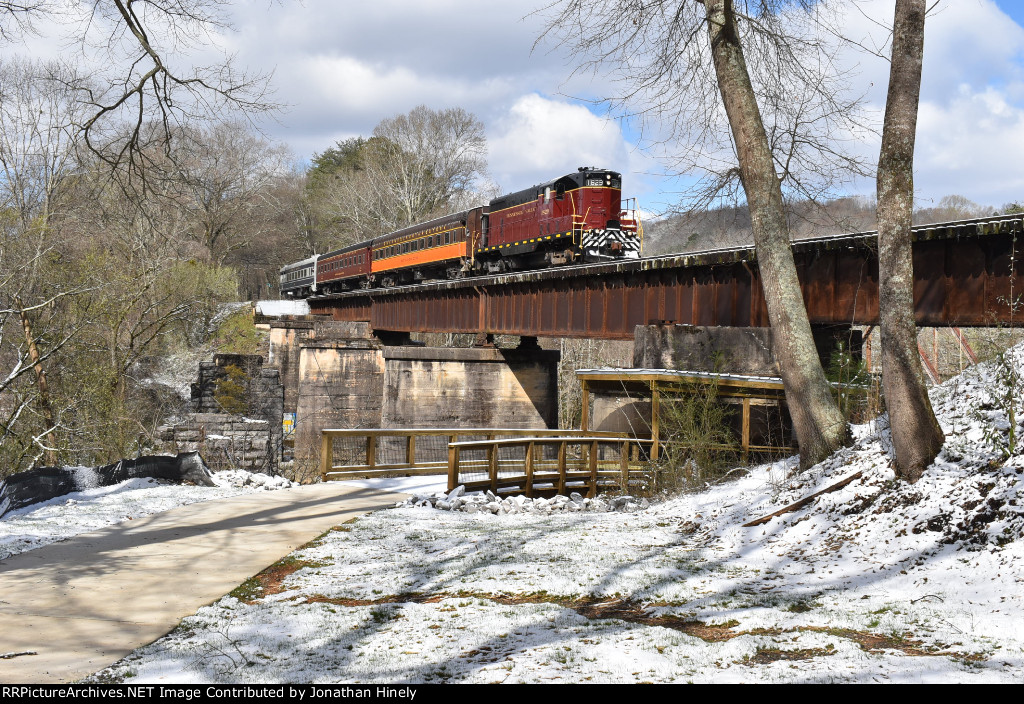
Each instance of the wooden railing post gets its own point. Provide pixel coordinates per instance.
(585, 421)
(326, 454)
(655, 420)
(529, 469)
(410, 450)
(453, 467)
(371, 450)
(593, 469)
(745, 438)
(492, 467)
(624, 465)
(561, 466)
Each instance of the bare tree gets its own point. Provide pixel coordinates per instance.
(144, 46)
(16, 16)
(342, 203)
(38, 171)
(768, 64)
(417, 165)
(226, 176)
(916, 435)
(427, 160)
(950, 207)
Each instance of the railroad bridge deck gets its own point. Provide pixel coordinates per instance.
(966, 273)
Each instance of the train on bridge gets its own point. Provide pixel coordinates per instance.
(576, 218)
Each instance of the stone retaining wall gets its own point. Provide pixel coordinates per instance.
(225, 441)
(239, 406)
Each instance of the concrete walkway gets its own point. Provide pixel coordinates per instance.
(84, 603)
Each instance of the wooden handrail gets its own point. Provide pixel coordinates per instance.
(403, 441)
(373, 437)
(420, 432)
(512, 442)
(536, 469)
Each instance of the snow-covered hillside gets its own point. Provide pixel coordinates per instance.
(876, 581)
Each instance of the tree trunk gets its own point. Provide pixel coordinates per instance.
(44, 392)
(916, 435)
(819, 425)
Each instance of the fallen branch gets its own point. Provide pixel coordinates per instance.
(802, 502)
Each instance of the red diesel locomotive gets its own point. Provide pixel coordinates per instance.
(575, 218)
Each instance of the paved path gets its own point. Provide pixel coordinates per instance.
(84, 603)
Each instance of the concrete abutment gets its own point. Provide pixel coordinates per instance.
(446, 387)
(345, 377)
(732, 350)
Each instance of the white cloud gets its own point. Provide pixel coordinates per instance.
(972, 97)
(351, 85)
(971, 145)
(342, 67)
(539, 139)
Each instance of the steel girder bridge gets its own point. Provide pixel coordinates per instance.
(966, 273)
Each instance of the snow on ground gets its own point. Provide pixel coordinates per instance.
(80, 512)
(878, 581)
(425, 485)
(282, 307)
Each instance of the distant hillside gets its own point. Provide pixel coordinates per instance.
(730, 226)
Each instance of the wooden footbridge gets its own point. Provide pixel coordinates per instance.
(503, 460)
(507, 460)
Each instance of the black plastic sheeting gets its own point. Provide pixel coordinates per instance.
(35, 485)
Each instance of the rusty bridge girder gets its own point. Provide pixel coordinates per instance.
(965, 274)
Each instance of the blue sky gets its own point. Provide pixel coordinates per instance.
(342, 67)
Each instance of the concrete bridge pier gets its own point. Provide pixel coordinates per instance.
(731, 350)
(339, 383)
(286, 334)
(484, 387)
(348, 378)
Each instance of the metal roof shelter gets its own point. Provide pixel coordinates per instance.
(745, 391)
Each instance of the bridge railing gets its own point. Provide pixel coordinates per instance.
(376, 452)
(586, 462)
